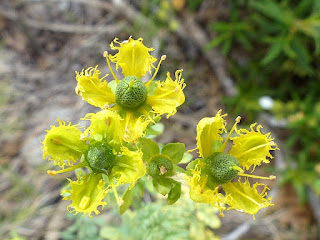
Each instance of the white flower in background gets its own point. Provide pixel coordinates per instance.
(266, 102)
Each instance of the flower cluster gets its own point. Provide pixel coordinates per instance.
(116, 150)
(217, 168)
(136, 102)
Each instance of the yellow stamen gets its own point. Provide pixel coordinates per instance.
(119, 200)
(53, 173)
(106, 55)
(271, 177)
(223, 147)
(163, 57)
(145, 112)
(204, 183)
(254, 148)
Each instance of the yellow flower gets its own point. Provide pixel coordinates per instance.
(63, 143)
(101, 149)
(86, 194)
(136, 102)
(130, 167)
(133, 57)
(217, 168)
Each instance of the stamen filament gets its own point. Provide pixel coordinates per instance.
(223, 147)
(145, 112)
(204, 183)
(119, 200)
(163, 57)
(106, 55)
(271, 177)
(53, 173)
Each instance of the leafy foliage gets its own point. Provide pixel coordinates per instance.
(83, 228)
(155, 220)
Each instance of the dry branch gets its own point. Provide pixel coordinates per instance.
(61, 27)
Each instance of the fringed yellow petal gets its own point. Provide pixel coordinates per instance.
(93, 89)
(252, 147)
(134, 126)
(133, 57)
(86, 194)
(63, 143)
(129, 167)
(201, 193)
(105, 125)
(245, 198)
(168, 95)
(209, 130)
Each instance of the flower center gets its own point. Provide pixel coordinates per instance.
(160, 165)
(131, 92)
(100, 156)
(222, 167)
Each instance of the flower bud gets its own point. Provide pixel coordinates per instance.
(160, 165)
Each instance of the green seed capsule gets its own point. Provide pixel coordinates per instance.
(220, 167)
(160, 165)
(131, 92)
(100, 156)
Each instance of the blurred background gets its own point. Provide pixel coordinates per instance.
(256, 59)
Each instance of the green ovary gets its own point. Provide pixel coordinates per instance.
(131, 92)
(100, 156)
(160, 165)
(221, 167)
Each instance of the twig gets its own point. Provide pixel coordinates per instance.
(315, 205)
(191, 30)
(61, 27)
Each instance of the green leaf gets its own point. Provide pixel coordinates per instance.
(127, 200)
(162, 185)
(113, 85)
(174, 151)
(226, 47)
(272, 10)
(192, 164)
(149, 148)
(217, 41)
(274, 51)
(174, 194)
(155, 130)
(187, 157)
(177, 169)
